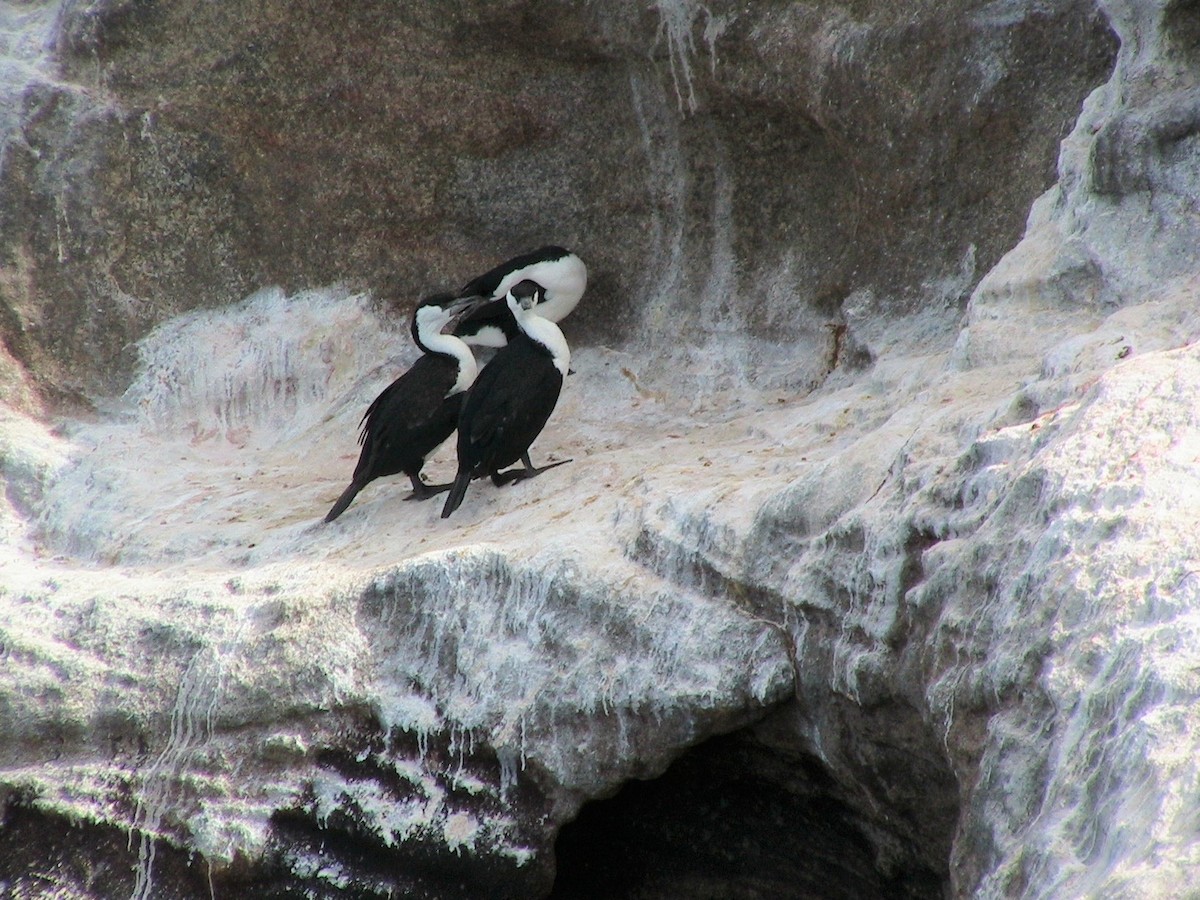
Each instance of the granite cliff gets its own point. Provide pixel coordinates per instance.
(873, 574)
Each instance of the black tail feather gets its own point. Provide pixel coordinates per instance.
(458, 490)
(344, 501)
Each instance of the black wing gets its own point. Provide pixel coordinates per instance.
(507, 408)
(485, 285)
(495, 314)
(410, 418)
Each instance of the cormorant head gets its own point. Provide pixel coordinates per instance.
(440, 314)
(524, 295)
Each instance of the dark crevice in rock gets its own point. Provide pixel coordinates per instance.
(46, 855)
(1181, 23)
(331, 859)
(736, 818)
(327, 857)
(340, 839)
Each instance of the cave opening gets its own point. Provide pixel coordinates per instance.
(735, 818)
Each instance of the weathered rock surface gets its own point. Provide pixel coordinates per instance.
(881, 592)
(182, 155)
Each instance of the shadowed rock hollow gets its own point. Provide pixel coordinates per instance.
(872, 576)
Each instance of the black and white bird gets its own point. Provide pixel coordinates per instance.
(561, 274)
(418, 411)
(512, 399)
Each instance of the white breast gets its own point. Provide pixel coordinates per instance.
(468, 369)
(549, 336)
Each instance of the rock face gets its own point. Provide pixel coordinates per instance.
(176, 156)
(873, 574)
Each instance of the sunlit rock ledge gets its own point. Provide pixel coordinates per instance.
(970, 611)
(898, 599)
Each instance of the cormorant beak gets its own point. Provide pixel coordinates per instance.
(526, 302)
(460, 308)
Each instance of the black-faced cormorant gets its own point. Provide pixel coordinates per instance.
(563, 278)
(420, 409)
(512, 399)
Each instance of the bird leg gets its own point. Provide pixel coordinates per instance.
(423, 491)
(499, 479)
